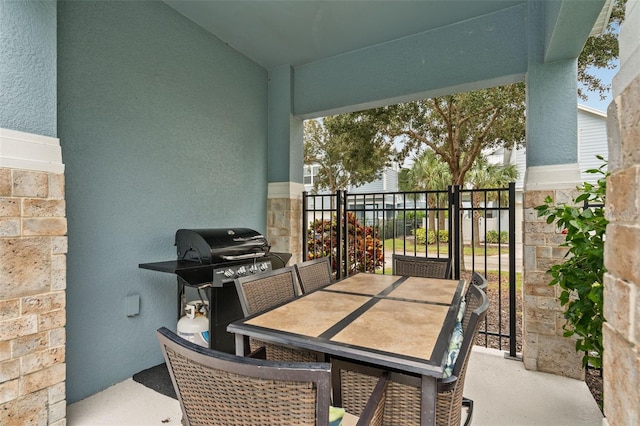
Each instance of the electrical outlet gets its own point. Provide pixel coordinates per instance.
(132, 305)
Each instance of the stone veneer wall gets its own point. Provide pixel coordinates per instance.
(544, 346)
(622, 246)
(33, 246)
(284, 221)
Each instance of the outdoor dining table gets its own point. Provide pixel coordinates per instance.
(396, 322)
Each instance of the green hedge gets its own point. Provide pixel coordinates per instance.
(423, 237)
(492, 237)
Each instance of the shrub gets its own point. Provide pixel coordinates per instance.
(580, 276)
(423, 237)
(364, 248)
(492, 237)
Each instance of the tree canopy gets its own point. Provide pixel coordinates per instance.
(600, 52)
(348, 149)
(458, 127)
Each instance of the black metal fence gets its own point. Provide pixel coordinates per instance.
(473, 228)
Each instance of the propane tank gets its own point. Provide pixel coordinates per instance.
(194, 325)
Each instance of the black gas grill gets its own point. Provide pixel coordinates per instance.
(231, 252)
(211, 259)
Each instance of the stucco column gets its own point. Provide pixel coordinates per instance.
(552, 170)
(622, 246)
(284, 195)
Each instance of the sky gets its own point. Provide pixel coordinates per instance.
(594, 98)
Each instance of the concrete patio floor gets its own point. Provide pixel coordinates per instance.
(504, 393)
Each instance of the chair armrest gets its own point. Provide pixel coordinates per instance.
(447, 384)
(374, 410)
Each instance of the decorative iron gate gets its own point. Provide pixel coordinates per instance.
(474, 228)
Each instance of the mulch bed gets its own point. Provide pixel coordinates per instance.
(500, 302)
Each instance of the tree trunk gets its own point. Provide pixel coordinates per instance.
(476, 228)
(461, 242)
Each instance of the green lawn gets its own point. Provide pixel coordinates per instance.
(410, 247)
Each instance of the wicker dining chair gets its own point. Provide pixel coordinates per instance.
(479, 280)
(314, 274)
(415, 266)
(351, 381)
(260, 292)
(217, 388)
(263, 291)
(472, 302)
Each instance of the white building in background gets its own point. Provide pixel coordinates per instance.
(370, 207)
(388, 182)
(592, 141)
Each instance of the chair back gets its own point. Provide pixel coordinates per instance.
(314, 274)
(479, 281)
(260, 292)
(217, 388)
(450, 390)
(473, 300)
(415, 266)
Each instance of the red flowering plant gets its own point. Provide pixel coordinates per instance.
(364, 248)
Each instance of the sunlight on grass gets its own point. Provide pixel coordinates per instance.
(409, 247)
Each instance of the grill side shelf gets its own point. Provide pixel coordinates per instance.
(192, 273)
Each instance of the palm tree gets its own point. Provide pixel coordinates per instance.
(483, 176)
(429, 173)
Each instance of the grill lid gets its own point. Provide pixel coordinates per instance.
(215, 245)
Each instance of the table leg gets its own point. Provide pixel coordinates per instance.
(239, 344)
(428, 401)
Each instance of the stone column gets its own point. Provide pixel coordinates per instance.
(622, 246)
(552, 170)
(543, 345)
(284, 219)
(33, 247)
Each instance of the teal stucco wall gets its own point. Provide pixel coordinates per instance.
(162, 127)
(28, 66)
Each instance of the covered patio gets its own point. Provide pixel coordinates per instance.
(121, 122)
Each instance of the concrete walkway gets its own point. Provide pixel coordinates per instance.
(504, 393)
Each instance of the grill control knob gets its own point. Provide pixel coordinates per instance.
(229, 273)
(242, 270)
(263, 266)
(253, 269)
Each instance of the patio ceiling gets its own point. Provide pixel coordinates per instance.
(276, 33)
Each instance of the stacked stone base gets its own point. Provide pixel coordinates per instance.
(622, 246)
(33, 249)
(544, 346)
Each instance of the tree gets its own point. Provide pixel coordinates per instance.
(348, 150)
(428, 174)
(458, 127)
(600, 52)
